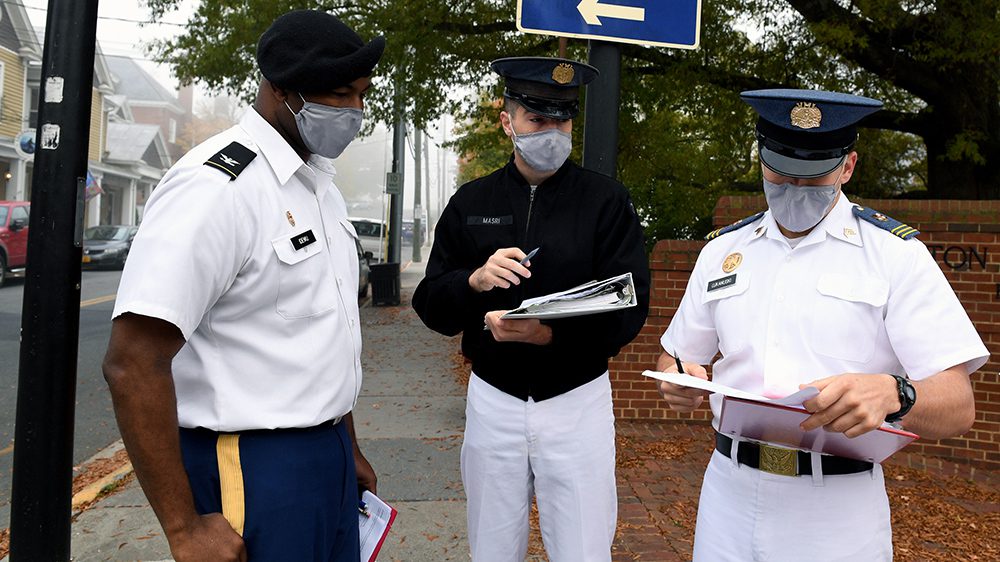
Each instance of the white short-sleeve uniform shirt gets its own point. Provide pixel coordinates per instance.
(848, 298)
(273, 337)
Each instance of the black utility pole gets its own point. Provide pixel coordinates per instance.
(50, 325)
(600, 136)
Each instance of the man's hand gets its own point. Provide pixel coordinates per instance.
(851, 403)
(501, 270)
(681, 398)
(366, 474)
(207, 538)
(528, 330)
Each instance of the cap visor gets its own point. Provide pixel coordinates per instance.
(796, 168)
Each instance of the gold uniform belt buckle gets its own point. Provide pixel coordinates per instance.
(778, 460)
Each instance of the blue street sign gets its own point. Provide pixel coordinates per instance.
(666, 23)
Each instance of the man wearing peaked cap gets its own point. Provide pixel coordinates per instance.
(234, 359)
(539, 420)
(816, 292)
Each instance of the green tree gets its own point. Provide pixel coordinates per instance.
(685, 136)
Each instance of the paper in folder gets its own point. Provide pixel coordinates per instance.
(373, 525)
(776, 421)
(779, 424)
(615, 293)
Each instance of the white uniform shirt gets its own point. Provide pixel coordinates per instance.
(849, 298)
(273, 333)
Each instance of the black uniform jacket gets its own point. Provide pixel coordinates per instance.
(587, 229)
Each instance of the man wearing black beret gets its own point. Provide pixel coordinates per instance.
(539, 420)
(234, 360)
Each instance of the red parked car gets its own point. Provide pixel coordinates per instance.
(13, 238)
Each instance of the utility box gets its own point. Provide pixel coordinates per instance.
(384, 279)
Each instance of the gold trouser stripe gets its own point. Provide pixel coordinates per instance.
(227, 449)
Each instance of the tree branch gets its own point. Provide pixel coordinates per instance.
(874, 51)
(913, 123)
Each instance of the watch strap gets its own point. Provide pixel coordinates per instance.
(906, 399)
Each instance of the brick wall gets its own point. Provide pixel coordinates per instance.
(963, 236)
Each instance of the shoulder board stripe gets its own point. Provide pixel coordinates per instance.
(735, 226)
(232, 160)
(885, 222)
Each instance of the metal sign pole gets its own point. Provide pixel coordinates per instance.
(50, 325)
(600, 137)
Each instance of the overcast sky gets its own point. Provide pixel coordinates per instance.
(120, 32)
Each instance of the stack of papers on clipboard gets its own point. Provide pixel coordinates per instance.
(776, 420)
(374, 522)
(615, 293)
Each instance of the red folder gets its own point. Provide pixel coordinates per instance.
(774, 423)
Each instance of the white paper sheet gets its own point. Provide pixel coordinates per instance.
(795, 399)
(374, 526)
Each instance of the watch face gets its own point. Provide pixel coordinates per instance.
(909, 392)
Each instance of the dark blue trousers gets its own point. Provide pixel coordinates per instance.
(292, 492)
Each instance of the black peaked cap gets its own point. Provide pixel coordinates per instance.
(310, 52)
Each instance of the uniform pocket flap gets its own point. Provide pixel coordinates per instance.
(868, 290)
(726, 286)
(309, 246)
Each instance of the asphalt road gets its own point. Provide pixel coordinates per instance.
(95, 422)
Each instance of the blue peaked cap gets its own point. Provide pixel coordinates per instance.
(807, 133)
(547, 86)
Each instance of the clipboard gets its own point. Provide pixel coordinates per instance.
(373, 525)
(769, 422)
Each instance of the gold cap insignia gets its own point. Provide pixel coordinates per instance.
(731, 262)
(563, 73)
(291, 219)
(806, 115)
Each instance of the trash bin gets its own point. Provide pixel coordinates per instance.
(384, 278)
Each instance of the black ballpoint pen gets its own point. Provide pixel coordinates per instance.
(680, 368)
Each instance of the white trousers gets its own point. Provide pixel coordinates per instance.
(747, 515)
(561, 450)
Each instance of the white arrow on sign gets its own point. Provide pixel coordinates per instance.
(593, 10)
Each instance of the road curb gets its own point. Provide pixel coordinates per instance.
(90, 492)
(94, 489)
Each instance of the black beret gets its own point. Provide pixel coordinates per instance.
(309, 51)
(547, 86)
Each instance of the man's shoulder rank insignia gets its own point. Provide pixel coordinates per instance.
(884, 222)
(232, 160)
(735, 226)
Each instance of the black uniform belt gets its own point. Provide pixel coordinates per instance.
(787, 462)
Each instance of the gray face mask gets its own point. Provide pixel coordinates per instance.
(544, 151)
(799, 207)
(326, 130)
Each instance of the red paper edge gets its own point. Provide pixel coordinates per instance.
(388, 526)
(902, 432)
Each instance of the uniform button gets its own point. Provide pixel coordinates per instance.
(352, 322)
(781, 298)
(340, 281)
(788, 258)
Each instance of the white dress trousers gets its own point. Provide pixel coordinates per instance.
(561, 450)
(748, 515)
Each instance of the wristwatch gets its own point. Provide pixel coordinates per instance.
(907, 397)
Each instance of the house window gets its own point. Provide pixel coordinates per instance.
(172, 135)
(33, 92)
